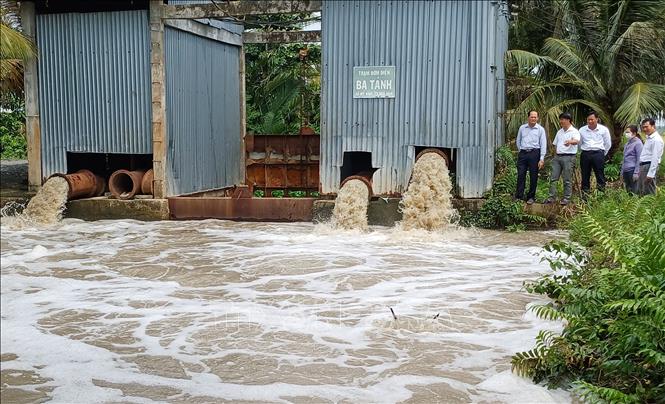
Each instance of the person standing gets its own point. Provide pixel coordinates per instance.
(630, 167)
(650, 158)
(532, 145)
(563, 164)
(595, 143)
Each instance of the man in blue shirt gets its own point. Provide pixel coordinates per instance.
(532, 145)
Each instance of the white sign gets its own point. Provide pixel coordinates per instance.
(374, 82)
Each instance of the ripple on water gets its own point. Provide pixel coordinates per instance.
(214, 311)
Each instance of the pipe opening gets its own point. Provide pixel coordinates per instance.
(123, 183)
(357, 163)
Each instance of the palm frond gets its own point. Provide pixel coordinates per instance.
(639, 100)
(14, 45)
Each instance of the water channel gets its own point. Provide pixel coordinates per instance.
(214, 311)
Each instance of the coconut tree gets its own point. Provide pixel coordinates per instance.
(605, 55)
(14, 48)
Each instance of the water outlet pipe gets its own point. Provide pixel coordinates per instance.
(83, 184)
(436, 151)
(146, 182)
(125, 184)
(365, 177)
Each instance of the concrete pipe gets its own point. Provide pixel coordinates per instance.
(437, 151)
(365, 177)
(146, 182)
(125, 184)
(83, 184)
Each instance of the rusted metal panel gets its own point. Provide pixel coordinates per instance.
(282, 162)
(246, 209)
(448, 59)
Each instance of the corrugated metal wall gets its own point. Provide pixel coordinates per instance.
(94, 85)
(203, 113)
(448, 57)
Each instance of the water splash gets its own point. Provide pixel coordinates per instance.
(350, 211)
(427, 202)
(44, 209)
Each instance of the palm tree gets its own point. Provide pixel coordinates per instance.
(14, 48)
(604, 55)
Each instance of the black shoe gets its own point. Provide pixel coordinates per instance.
(530, 201)
(565, 202)
(549, 201)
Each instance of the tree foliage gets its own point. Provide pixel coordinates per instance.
(608, 286)
(605, 55)
(283, 81)
(14, 48)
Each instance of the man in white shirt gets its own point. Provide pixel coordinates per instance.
(532, 145)
(650, 158)
(563, 164)
(595, 142)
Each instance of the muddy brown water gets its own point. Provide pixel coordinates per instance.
(215, 311)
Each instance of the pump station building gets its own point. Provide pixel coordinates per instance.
(160, 84)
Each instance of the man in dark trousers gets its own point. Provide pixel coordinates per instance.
(595, 142)
(532, 145)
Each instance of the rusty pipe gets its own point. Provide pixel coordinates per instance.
(125, 184)
(437, 151)
(365, 177)
(146, 182)
(83, 184)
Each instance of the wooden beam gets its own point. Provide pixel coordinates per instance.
(206, 31)
(225, 8)
(31, 90)
(281, 37)
(157, 79)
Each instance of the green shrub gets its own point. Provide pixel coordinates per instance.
(500, 210)
(608, 285)
(12, 135)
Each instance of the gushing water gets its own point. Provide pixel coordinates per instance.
(426, 204)
(350, 210)
(46, 207)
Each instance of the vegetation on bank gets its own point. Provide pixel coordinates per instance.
(608, 287)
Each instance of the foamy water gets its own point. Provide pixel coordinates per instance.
(426, 204)
(44, 209)
(211, 311)
(350, 212)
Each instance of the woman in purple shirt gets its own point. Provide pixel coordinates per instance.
(630, 168)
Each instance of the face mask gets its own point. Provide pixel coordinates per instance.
(628, 135)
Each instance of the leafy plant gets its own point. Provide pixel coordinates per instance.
(283, 87)
(259, 193)
(608, 285)
(499, 209)
(12, 130)
(278, 193)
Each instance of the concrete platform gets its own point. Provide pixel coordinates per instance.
(385, 211)
(104, 208)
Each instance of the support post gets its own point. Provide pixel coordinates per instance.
(31, 90)
(243, 117)
(159, 140)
